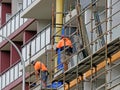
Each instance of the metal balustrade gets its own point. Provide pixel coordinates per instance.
(27, 3)
(12, 25)
(11, 75)
(37, 43)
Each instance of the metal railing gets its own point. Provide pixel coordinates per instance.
(27, 3)
(37, 43)
(12, 25)
(11, 75)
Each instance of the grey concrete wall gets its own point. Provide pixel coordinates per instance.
(41, 24)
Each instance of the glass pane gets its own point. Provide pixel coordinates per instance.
(42, 39)
(13, 25)
(0, 84)
(116, 32)
(8, 28)
(3, 80)
(33, 47)
(28, 51)
(17, 22)
(21, 21)
(29, 2)
(0, 34)
(24, 4)
(11, 74)
(25, 19)
(20, 69)
(7, 77)
(24, 53)
(16, 71)
(38, 43)
(48, 36)
(4, 31)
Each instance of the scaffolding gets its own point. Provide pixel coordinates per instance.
(94, 55)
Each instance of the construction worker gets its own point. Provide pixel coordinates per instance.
(65, 44)
(40, 71)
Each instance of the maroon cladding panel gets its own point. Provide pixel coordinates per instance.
(27, 86)
(4, 60)
(6, 8)
(14, 57)
(27, 35)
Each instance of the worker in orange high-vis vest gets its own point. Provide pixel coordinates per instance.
(40, 70)
(65, 44)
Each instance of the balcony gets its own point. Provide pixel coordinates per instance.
(12, 25)
(39, 43)
(38, 9)
(11, 75)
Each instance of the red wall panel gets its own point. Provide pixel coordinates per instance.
(4, 60)
(5, 8)
(14, 57)
(27, 35)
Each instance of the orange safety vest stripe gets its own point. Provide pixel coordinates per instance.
(63, 41)
(40, 66)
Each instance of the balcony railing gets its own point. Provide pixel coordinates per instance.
(11, 75)
(27, 3)
(37, 43)
(12, 25)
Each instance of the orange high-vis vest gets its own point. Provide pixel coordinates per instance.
(64, 42)
(40, 66)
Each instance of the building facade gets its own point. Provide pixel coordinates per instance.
(35, 27)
